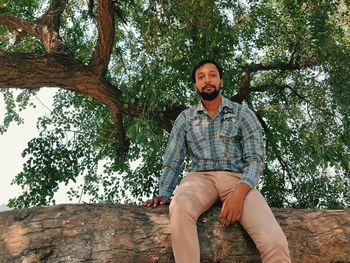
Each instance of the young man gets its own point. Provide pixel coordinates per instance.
(224, 140)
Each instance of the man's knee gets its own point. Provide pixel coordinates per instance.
(181, 208)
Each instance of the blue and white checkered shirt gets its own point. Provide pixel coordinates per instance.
(230, 141)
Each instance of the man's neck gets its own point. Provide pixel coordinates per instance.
(212, 106)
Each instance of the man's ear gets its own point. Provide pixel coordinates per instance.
(221, 83)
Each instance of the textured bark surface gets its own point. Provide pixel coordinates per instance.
(122, 233)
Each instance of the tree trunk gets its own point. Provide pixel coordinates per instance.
(124, 233)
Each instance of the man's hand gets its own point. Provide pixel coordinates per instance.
(232, 207)
(155, 201)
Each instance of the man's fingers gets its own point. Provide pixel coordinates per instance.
(159, 201)
(223, 214)
(227, 218)
(163, 202)
(155, 201)
(152, 202)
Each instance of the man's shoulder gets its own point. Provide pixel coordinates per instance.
(190, 111)
(185, 116)
(231, 106)
(242, 111)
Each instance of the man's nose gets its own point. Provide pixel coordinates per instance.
(207, 79)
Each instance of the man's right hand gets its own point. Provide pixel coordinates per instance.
(157, 200)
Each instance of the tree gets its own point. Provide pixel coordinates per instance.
(128, 65)
(125, 233)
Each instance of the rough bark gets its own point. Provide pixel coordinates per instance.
(122, 233)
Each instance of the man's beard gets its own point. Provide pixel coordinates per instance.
(209, 95)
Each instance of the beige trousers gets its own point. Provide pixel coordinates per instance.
(197, 192)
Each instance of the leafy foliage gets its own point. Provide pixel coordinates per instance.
(306, 111)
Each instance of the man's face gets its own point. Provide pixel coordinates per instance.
(208, 82)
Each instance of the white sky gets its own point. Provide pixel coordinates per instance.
(14, 141)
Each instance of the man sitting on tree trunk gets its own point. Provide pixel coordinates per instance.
(225, 143)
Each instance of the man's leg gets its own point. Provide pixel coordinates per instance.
(262, 226)
(257, 219)
(195, 194)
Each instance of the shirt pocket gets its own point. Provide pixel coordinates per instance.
(230, 142)
(198, 143)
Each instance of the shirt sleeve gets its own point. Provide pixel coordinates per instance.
(253, 147)
(173, 158)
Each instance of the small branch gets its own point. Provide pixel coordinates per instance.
(262, 122)
(260, 88)
(95, 135)
(294, 58)
(266, 87)
(91, 8)
(127, 71)
(119, 12)
(281, 161)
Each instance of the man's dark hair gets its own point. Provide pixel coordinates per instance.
(203, 62)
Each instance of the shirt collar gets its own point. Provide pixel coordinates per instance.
(225, 103)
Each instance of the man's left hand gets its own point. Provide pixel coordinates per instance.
(232, 207)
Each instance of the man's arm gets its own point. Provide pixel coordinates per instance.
(253, 155)
(172, 162)
(253, 148)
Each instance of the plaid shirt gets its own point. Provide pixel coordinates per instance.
(231, 141)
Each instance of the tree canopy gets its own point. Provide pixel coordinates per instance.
(123, 69)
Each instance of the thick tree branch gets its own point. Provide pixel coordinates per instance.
(277, 66)
(45, 33)
(123, 233)
(27, 71)
(246, 88)
(52, 16)
(116, 109)
(244, 91)
(103, 49)
(16, 23)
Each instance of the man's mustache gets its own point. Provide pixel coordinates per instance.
(208, 86)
